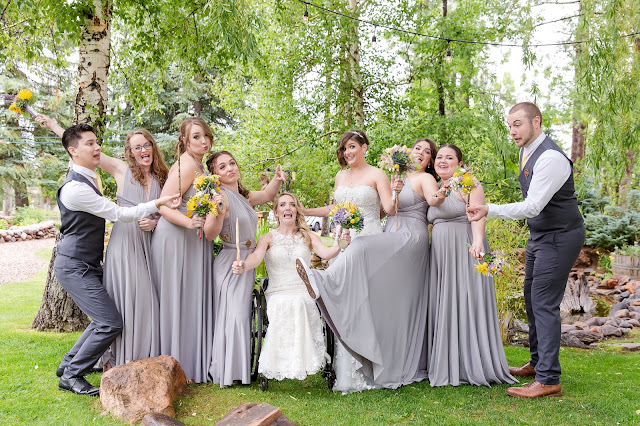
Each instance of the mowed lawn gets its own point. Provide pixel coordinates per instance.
(600, 386)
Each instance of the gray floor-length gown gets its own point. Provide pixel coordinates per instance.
(465, 346)
(127, 279)
(183, 273)
(232, 296)
(373, 297)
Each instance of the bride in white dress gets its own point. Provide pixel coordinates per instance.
(294, 345)
(368, 187)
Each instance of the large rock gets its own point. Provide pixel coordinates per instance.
(586, 336)
(135, 389)
(158, 419)
(254, 414)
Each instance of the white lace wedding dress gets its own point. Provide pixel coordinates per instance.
(366, 198)
(294, 345)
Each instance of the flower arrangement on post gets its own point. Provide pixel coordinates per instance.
(21, 102)
(398, 160)
(348, 216)
(201, 203)
(464, 181)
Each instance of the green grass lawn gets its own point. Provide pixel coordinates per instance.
(601, 386)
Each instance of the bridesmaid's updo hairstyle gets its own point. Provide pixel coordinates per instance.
(434, 151)
(355, 135)
(211, 166)
(455, 148)
(159, 169)
(301, 223)
(183, 133)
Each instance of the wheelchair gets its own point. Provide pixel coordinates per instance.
(259, 324)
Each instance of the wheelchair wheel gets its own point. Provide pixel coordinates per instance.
(264, 383)
(257, 333)
(328, 373)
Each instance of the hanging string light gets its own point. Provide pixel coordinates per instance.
(373, 39)
(305, 15)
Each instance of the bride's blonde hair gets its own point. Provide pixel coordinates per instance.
(301, 224)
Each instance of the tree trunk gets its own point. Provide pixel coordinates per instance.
(576, 304)
(58, 312)
(440, 77)
(577, 140)
(579, 126)
(93, 67)
(627, 178)
(355, 73)
(21, 194)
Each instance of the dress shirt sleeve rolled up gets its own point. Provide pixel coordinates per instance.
(78, 196)
(550, 172)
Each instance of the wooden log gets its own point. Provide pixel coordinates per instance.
(251, 414)
(576, 304)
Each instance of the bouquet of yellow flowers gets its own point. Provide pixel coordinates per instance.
(21, 102)
(398, 160)
(348, 216)
(492, 263)
(464, 181)
(202, 203)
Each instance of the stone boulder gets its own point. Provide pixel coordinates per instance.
(254, 414)
(158, 419)
(137, 388)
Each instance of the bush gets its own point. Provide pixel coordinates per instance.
(27, 216)
(508, 236)
(4, 224)
(615, 227)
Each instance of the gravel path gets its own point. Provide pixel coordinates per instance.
(19, 262)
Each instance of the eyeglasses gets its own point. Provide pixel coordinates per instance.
(138, 148)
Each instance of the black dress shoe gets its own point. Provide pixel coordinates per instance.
(78, 385)
(60, 370)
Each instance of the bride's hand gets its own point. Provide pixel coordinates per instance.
(346, 236)
(396, 184)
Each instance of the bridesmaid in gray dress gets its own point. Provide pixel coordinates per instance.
(183, 264)
(232, 293)
(374, 295)
(465, 346)
(127, 269)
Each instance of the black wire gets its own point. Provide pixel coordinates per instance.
(448, 39)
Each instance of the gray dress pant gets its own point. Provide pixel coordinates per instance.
(549, 258)
(83, 282)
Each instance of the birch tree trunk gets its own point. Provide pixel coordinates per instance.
(93, 67)
(58, 311)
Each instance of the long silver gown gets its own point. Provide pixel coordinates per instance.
(465, 346)
(374, 295)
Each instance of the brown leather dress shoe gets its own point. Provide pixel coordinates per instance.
(535, 390)
(525, 371)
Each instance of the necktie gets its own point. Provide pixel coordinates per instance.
(98, 182)
(524, 160)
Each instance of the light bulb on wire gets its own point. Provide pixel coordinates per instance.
(305, 16)
(374, 39)
(448, 58)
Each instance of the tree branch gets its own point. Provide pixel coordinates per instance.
(4, 10)
(291, 151)
(558, 20)
(556, 2)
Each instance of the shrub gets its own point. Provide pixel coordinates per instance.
(4, 224)
(27, 216)
(616, 226)
(508, 236)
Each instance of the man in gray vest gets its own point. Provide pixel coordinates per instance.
(78, 265)
(556, 238)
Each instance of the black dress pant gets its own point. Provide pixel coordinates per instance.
(549, 258)
(83, 282)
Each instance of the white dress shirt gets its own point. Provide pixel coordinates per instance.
(78, 196)
(550, 172)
